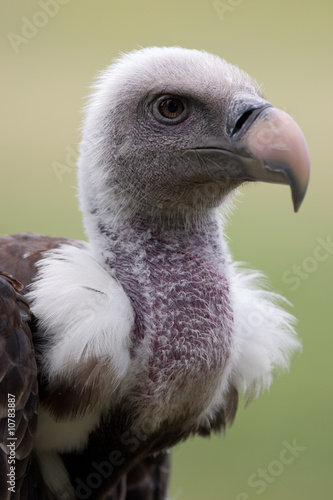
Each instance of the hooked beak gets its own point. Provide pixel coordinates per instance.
(262, 144)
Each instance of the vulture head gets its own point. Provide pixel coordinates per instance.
(169, 133)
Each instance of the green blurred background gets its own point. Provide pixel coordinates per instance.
(286, 46)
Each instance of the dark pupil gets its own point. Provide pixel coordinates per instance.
(172, 106)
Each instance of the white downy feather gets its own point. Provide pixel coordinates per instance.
(83, 313)
(264, 334)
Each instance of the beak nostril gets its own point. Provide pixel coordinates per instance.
(241, 121)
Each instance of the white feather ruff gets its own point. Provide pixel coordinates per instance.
(84, 314)
(264, 334)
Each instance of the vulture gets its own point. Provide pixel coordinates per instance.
(115, 349)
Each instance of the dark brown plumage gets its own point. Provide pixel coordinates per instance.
(19, 388)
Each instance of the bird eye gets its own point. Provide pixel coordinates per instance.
(170, 110)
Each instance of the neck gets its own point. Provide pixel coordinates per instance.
(177, 281)
(177, 262)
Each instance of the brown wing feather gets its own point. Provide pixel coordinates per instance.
(18, 385)
(20, 252)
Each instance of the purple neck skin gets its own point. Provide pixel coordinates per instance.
(176, 281)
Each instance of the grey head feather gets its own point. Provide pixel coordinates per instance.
(132, 163)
